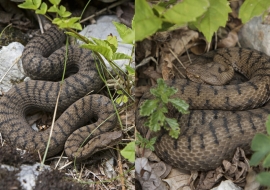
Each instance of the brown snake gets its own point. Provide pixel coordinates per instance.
(210, 133)
(44, 61)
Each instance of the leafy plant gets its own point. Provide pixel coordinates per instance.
(261, 147)
(157, 108)
(251, 8)
(206, 15)
(129, 151)
(63, 21)
(145, 143)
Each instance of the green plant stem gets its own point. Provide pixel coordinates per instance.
(111, 97)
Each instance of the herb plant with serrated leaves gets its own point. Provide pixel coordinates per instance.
(156, 109)
(261, 147)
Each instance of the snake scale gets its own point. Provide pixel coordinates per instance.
(43, 60)
(221, 118)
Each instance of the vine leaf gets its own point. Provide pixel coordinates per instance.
(157, 119)
(261, 148)
(126, 34)
(146, 22)
(251, 8)
(149, 107)
(215, 16)
(128, 151)
(43, 9)
(30, 4)
(186, 11)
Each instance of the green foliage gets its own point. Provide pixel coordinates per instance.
(143, 142)
(261, 147)
(214, 17)
(107, 48)
(263, 178)
(128, 152)
(127, 34)
(173, 15)
(146, 22)
(251, 8)
(206, 15)
(156, 109)
(63, 21)
(122, 98)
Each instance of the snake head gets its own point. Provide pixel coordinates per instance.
(211, 73)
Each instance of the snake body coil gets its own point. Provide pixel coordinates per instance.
(44, 61)
(215, 126)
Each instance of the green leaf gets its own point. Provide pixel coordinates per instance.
(172, 123)
(150, 144)
(261, 145)
(153, 140)
(37, 3)
(268, 125)
(251, 8)
(163, 91)
(129, 151)
(143, 142)
(266, 161)
(63, 13)
(112, 41)
(126, 34)
(139, 139)
(130, 70)
(77, 26)
(215, 16)
(186, 11)
(180, 105)
(43, 9)
(30, 4)
(174, 133)
(174, 130)
(121, 99)
(57, 21)
(148, 107)
(117, 56)
(67, 23)
(53, 9)
(72, 34)
(103, 49)
(145, 21)
(263, 178)
(159, 9)
(166, 3)
(55, 2)
(256, 158)
(156, 120)
(119, 92)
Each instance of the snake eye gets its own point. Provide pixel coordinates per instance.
(197, 76)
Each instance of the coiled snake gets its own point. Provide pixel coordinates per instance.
(44, 61)
(210, 133)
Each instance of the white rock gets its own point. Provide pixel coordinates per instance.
(255, 35)
(227, 185)
(28, 175)
(8, 55)
(101, 30)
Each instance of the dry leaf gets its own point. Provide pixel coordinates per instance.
(227, 185)
(147, 177)
(230, 41)
(251, 183)
(178, 180)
